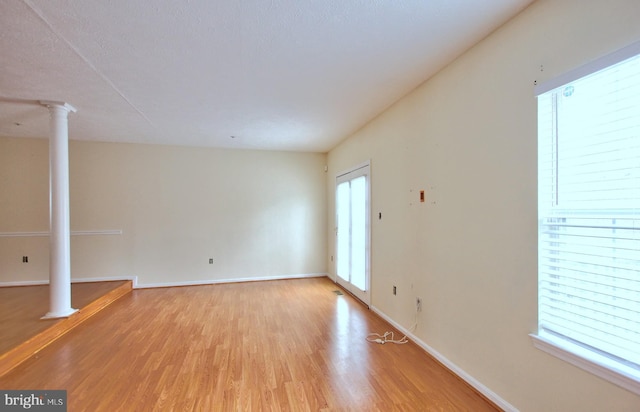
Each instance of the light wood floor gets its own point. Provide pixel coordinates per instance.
(22, 307)
(261, 346)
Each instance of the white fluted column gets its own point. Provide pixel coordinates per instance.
(59, 221)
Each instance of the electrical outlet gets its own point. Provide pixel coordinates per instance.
(394, 289)
(25, 259)
(418, 305)
(211, 261)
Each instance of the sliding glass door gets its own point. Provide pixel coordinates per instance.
(352, 231)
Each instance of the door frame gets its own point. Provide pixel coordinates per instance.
(362, 169)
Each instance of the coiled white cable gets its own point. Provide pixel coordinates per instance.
(388, 336)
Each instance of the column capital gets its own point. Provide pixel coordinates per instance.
(64, 105)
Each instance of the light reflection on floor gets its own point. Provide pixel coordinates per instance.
(349, 351)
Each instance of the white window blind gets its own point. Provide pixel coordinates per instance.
(589, 213)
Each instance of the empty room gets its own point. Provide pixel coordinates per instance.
(326, 205)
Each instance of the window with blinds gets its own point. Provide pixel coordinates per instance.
(589, 215)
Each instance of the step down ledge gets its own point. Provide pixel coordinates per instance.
(17, 355)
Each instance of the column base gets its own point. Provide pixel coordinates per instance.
(60, 314)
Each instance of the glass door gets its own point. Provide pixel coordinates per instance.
(352, 232)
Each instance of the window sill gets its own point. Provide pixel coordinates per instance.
(619, 374)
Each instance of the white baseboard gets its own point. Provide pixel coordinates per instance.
(230, 280)
(489, 394)
(136, 285)
(134, 279)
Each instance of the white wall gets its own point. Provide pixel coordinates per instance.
(468, 138)
(258, 214)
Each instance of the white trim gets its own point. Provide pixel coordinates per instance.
(54, 103)
(96, 232)
(587, 361)
(73, 233)
(23, 234)
(60, 314)
(354, 168)
(134, 279)
(230, 280)
(136, 285)
(489, 394)
(333, 276)
(23, 283)
(589, 68)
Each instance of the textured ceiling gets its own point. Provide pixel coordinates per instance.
(275, 74)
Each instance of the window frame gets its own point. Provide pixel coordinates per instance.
(589, 360)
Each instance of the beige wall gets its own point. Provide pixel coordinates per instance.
(258, 214)
(468, 138)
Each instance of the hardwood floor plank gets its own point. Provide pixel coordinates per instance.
(280, 345)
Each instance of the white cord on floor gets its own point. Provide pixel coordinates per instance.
(388, 336)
